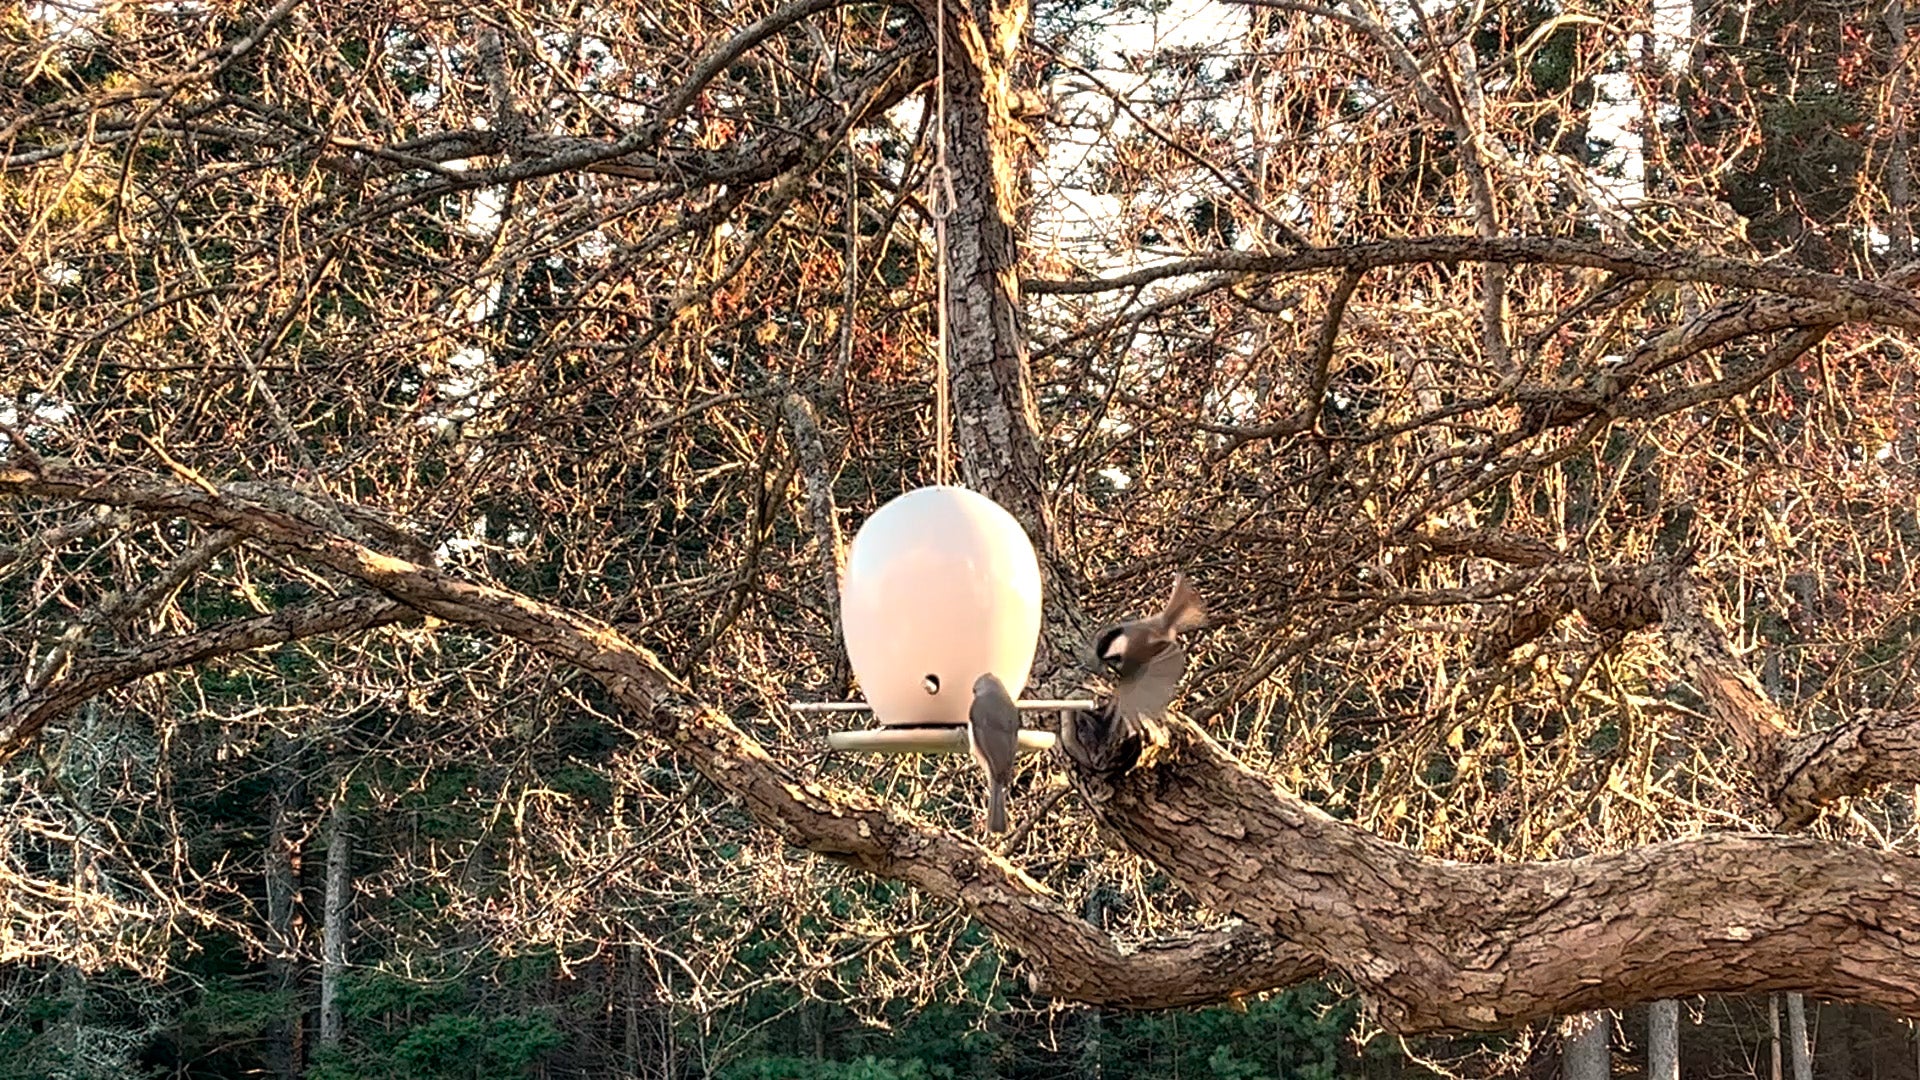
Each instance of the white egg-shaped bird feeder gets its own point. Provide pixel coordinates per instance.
(941, 586)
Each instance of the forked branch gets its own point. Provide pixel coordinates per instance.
(1070, 957)
(1433, 944)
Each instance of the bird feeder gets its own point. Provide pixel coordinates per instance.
(941, 586)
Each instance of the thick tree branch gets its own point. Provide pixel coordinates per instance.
(1500, 545)
(1853, 299)
(1433, 944)
(1740, 377)
(1849, 758)
(1440, 945)
(1715, 327)
(637, 155)
(1308, 415)
(885, 83)
(990, 373)
(717, 61)
(1799, 774)
(54, 539)
(1073, 959)
(1733, 694)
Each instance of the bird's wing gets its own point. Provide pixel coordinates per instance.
(1185, 609)
(1151, 690)
(995, 724)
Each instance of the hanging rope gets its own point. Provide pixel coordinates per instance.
(851, 299)
(940, 202)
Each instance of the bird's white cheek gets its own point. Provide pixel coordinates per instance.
(1117, 647)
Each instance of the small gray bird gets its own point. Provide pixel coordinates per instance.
(1145, 657)
(993, 735)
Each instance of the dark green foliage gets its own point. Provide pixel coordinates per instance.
(449, 1046)
(226, 1010)
(1304, 1033)
(30, 1040)
(1807, 72)
(865, 1068)
(56, 1026)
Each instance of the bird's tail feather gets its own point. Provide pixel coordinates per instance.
(1185, 608)
(997, 809)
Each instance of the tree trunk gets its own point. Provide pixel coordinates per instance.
(333, 931)
(998, 428)
(282, 873)
(628, 961)
(1663, 1040)
(83, 773)
(1586, 1047)
(73, 989)
(1899, 165)
(997, 423)
(1799, 1056)
(1773, 1030)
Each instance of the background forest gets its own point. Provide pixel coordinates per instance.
(628, 308)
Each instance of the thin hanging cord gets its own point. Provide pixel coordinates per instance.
(940, 200)
(851, 304)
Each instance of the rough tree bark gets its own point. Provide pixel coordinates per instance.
(1773, 1034)
(1798, 773)
(1586, 1051)
(1799, 1052)
(996, 421)
(1663, 1040)
(333, 929)
(1441, 945)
